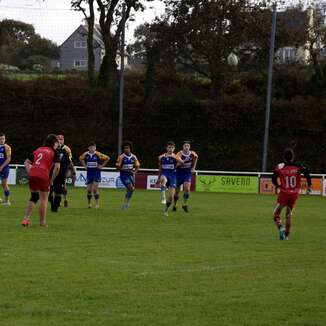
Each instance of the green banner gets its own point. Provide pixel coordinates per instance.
(227, 183)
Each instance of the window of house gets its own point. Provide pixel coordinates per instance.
(80, 63)
(80, 44)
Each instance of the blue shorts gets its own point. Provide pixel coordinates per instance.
(4, 174)
(171, 178)
(127, 179)
(93, 176)
(183, 177)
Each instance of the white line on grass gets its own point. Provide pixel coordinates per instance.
(202, 269)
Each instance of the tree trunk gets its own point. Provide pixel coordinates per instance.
(90, 43)
(108, 75)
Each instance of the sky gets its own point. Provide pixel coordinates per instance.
(54, 20)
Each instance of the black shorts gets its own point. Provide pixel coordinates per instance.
(59, 184)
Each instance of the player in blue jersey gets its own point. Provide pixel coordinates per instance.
(184, 174)
(5, 158)
(93, 161)
(167, 174)
(128, 165)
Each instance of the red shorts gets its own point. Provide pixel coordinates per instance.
(287, 200)
(38, 183)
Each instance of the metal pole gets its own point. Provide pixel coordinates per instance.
(269, 88)
(122, 68)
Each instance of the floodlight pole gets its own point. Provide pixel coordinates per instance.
(269, 88)
(121, 86)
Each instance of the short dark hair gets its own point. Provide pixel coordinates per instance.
(91, 143)
(170, 143)
(50, 140)
(186, 142)
(2, 134)
(126, 143)
(288, 155)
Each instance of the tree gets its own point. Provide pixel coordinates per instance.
(90, 19)
(154, 46)
(19, 42)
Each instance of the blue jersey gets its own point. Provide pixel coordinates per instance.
(127, 164)
(93, 160)
(5, 152)
(189, 160)
(168, 164)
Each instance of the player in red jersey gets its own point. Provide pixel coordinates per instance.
(288, 174)
(45, 160)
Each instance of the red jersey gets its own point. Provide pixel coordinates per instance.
(289, 174)
(43, 161)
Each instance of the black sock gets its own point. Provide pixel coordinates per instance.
(56, 202)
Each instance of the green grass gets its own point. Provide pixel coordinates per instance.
(219, 265)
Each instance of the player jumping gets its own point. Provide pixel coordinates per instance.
(289, 174)
(93, 161)
(184, 174)
(167, 174)
(5, 157)
(39, 167)
(128, 165)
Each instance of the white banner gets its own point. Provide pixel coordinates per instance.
(108, 180)
(324, 186)
(12, 177)
(151, 182)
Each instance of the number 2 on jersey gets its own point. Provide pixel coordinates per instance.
(39, 159)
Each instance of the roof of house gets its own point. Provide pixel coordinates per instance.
(84, 29)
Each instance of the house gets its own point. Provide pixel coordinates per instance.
(73, 51)
(301, 54)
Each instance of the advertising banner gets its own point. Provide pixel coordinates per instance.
(225, 183)
(109, 180)
(21, 176)
(12, 177)
(267, 187)
(151, 182)
(324, 186)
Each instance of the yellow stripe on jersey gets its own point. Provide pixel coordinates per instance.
(8, 150)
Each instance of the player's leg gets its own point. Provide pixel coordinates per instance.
(169, 199)
(65, 194)
(176, 197)
(58, 186)
(278, 221)
(186, 195)
(30, 206)
(288, 221)
(130, 187)
(6, 190)
(51, 197)
(163, 181)
(96, 194)
(43, 206)
(89, 194)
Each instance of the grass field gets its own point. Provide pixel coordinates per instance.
(219, 265)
